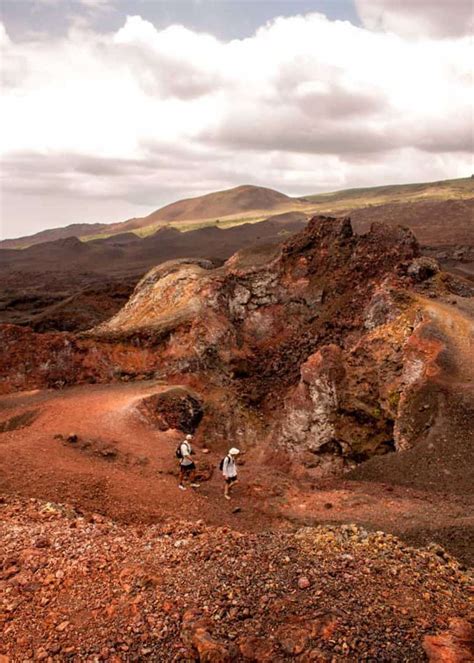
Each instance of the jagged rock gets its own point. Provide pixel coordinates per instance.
(309, 419)
(423, 268)
(258, 649)
(208, 649)
(195, 633)
(176, 408)
(293, 639)
(318, 340)
(303, 582)
(381, 309)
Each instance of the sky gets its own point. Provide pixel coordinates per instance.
(113, 108)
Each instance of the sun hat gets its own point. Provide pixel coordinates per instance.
(233, 451)
(189, 437)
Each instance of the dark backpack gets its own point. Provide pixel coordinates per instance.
(179, 453)
(221, 464)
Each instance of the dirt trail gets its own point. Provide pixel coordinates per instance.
(121, 467)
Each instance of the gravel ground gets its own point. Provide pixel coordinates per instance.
(84, 588)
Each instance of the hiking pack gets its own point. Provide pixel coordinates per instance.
(221, 464)
(179, 453)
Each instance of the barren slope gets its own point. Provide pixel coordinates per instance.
(251, 203)
(87, 588)
(116, 455)
(243, 198)
(313, 356)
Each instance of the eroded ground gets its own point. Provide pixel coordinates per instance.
(120, 466)
(341, 366)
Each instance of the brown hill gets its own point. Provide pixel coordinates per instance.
(245, 198)
(239, 200)
(415, 205)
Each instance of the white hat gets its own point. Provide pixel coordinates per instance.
(233, 451)
(189, 437)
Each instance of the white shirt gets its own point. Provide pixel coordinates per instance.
(185, 453)
(229, 468)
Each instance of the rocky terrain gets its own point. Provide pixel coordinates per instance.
(69, 285)
(358, 369)
(448, 223)
(78, 587)
(56, 282)
(341, 365)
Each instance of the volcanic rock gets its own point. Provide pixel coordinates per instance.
(322, 347)
(175, 408)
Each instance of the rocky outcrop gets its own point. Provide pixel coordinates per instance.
(175, 408)
(38, 361)
(261, 315)
(320, 345)
(196, 636)
(309, 425)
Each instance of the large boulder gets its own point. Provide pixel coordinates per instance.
(176, 408)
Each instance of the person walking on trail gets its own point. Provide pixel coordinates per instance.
(229, 471)
(186, 465)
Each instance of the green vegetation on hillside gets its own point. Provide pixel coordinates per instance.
(380, 195)
(335, 202)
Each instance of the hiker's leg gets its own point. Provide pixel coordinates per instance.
(191, 476)
(226, 489)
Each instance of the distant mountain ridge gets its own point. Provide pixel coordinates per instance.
(239, 200)
(248, 203)
(53, 234)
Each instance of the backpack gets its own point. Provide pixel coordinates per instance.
(179, 453)
(221, 464)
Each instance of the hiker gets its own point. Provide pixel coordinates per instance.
(229, 471)
(186, 464)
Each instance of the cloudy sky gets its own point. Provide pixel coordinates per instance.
(112, 108)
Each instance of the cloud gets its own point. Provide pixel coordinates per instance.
(96, 4)
(89, 4)
(418, 18)
(142, 116)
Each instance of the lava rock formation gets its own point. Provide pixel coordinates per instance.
(326, 349)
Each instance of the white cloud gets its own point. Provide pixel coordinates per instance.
(146, 115)
(95, 4)
(418, 18)
(89, 4)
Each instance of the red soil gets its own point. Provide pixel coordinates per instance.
(121, 467)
